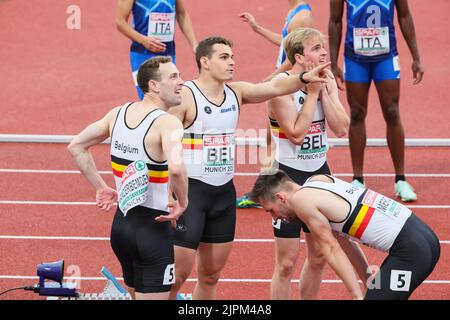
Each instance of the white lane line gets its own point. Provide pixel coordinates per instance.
(8, 277)
(58, 203)
(74, 238)
(80, 203)
(417, 175)
(242, 174)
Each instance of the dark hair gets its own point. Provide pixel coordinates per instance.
(149, 70)
(268, 183)
(204, 48)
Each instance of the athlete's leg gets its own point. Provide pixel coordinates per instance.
(389, 95)
(357, 97)
(311, 275)
(184, 262)
(211, 260)
(286, 254)
(357, 82)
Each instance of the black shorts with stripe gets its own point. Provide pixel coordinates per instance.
(210, 216)
(144, 248)
(412, 257)
(281, 228)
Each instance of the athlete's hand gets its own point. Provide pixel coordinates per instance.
(339, 76)
(331, 85)
(317, 74)
(175, 211)
(417, 70)
(153, 44)
(313, 87)
(105, 198)
(247, 17)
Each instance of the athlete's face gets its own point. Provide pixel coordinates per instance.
(221, 63)
(170, 84)
(314, 51)
(278, 208)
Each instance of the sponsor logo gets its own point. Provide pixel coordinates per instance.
(208, 110)
(232, 108)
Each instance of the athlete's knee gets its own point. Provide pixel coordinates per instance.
(209, 278)
(317, 261)
(357, 114)
(391, 114)
(285, 268)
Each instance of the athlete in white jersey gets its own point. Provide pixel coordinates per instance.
(298, 126)
(326, 204)
(209, 113)
(146, 155)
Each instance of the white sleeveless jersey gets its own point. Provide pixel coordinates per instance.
(209, 142)
(127, 145)
(373, 219)
(312, 153)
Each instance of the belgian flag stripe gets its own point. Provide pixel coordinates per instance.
(359, 218)
(121, 164)
(364, 223)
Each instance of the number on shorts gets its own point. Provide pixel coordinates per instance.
(400, 280)
(169, 274)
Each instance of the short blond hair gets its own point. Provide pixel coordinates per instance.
(294, 42)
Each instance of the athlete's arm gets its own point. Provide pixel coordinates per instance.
(356, 257)
(123, 12)
(94, 134)
(185, 23)
(271, 36)
(406, 23)
(335, 114)
(335, 36)
(171, 135)
(295, 125)
(255, 93)
(305, 203)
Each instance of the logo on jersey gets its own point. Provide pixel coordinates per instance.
(301, 100)
(181, 228)
(208, 110)
(232, 108)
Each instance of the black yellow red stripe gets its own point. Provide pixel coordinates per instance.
(358, 223)
(276, 130)
(192, 141)
(156, 173)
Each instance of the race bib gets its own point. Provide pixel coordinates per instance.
(134, 186)
(315, 145)
(385, 205)
(218, 153)
(371, 41)
(162, 26)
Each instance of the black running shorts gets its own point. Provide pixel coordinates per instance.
(144, 248)
(210, 216)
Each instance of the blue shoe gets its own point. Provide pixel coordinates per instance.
(184, 296)
(404, 191)
(358, 184)
(244, 202)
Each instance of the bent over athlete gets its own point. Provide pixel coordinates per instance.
(327, 204)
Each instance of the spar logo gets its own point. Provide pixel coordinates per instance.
(132, 170)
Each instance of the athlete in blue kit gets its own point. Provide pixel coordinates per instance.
(371, 54)
(152, 30)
